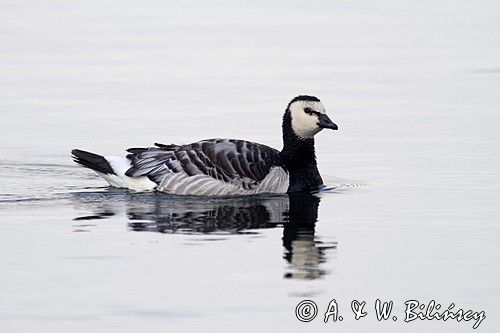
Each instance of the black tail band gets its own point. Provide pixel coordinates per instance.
(92, 161)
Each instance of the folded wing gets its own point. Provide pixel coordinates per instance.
(211, 167)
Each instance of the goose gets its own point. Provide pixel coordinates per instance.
(224, 167)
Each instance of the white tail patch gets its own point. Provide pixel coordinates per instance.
(120, 165)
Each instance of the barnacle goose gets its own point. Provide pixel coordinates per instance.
(224, 167)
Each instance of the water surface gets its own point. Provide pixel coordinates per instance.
(414, 90)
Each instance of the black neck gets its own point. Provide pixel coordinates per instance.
(299, 159)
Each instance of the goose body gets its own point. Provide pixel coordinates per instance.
(223, 167)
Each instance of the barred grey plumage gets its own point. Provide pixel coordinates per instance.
(211, 167)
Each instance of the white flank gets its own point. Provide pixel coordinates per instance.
(276, 181)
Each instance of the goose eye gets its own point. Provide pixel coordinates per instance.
(311, 111)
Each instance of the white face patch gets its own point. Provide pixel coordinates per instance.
(305, 125)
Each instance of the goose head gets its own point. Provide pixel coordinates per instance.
(307, 117)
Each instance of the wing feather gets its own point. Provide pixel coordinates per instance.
(237, 162)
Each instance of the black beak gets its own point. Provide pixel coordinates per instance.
(325, 122)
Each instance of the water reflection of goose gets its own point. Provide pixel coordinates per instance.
(296, 214)
(197, 215)
(303, 250)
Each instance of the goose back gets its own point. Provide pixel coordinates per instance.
(211, 167)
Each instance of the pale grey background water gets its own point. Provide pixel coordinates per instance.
(413, 86)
